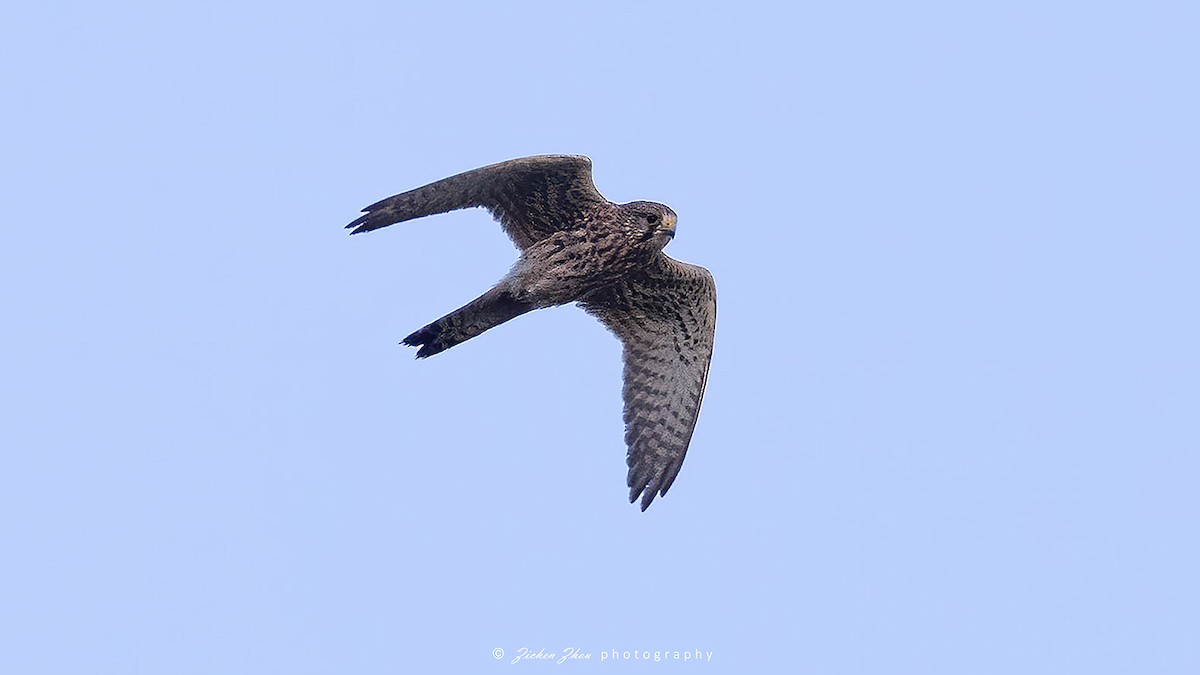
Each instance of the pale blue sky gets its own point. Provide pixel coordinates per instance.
(951, 424)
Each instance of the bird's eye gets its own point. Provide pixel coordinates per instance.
(652, 218)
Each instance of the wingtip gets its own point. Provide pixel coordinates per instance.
(409, 342)
(647, 493)
(355, 227)
(424, 349)
(648, 499)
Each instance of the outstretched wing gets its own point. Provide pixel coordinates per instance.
(532, 197)
(665, 316)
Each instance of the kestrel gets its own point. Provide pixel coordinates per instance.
(576, 246)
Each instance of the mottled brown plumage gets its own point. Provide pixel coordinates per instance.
(576, 246)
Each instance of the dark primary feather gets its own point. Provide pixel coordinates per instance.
(665, 316)
(532, 197)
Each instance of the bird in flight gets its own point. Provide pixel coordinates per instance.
(576, 246)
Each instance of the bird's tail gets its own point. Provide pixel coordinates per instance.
(487, 311)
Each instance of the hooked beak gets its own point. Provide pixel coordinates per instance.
(668, 226)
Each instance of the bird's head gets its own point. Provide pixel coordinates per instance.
(649, 223)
